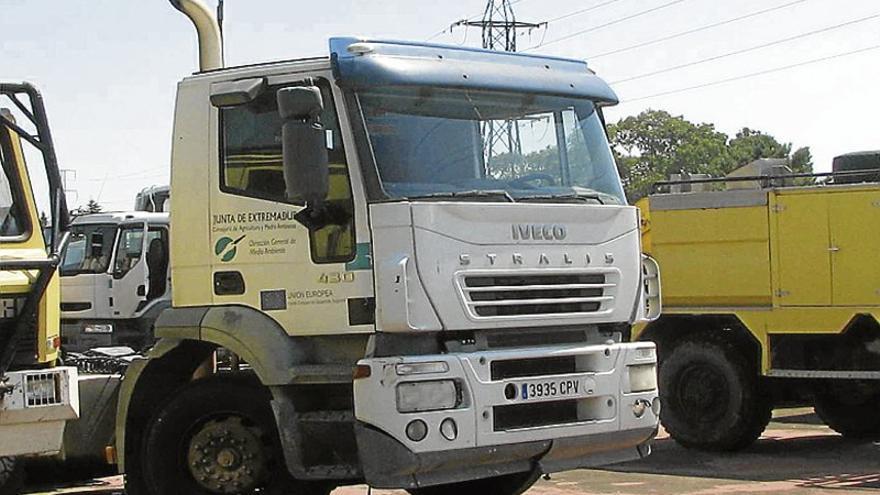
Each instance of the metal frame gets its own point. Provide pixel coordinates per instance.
(60, 216)
(766, 179)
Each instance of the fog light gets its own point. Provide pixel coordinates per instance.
(510, 391)
(427, 396)
(655, 406)
(98, 328)
(449, 429)
(416, 430)
(639, 407)
(642, 378)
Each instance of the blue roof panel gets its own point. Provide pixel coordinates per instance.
(400, 63)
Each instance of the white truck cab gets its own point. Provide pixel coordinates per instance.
(114, 280)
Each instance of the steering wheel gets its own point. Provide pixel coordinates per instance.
(522, 181)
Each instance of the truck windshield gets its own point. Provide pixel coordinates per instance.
(438, 142)
(89, 249)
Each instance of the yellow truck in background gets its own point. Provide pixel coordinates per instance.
(771, 296)
(37, 398)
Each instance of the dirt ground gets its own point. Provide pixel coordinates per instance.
(797, 455)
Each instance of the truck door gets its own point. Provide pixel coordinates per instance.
(855, 221)
(310, 280)
(86, 271)
(129, 272)
(802, 249)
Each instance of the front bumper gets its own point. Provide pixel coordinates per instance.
(498, 432)
(34, 413)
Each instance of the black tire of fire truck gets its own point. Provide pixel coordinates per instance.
(711, 395)
(11, 476)
(849, 407)
(221, 430)
(508, 484)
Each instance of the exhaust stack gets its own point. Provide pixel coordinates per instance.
(208, 30)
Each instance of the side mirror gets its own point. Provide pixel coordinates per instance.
(304, 147)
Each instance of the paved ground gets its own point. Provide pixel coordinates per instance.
(796, 456)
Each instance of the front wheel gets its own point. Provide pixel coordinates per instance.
(849, 407)
(11, 476)
(218, 436)
(711, 399)
(508, 484)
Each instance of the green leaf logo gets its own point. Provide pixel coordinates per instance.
(226, 248)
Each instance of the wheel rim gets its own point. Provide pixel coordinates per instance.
(703, 393)
(227, 456)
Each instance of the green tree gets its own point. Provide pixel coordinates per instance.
(653, 145)
(749, 145)
(91, 207)
(801, 161)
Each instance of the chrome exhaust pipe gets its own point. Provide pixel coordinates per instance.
(208, 30)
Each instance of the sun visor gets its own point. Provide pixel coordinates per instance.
(362, 63)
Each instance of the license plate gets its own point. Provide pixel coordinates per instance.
(551, 388)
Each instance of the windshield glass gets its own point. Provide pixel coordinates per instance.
(449, 142)
(129, 249)
(89, 249)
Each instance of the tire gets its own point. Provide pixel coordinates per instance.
(221, 431)
(508, 484)
(850, 408)
(711, 398)
(11, 476)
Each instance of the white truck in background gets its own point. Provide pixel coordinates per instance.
(153, 198)
(114, 280)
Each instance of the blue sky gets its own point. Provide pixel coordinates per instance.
(108, 69)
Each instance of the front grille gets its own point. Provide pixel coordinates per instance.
(517, 416)
(555, 413)
(492, 295)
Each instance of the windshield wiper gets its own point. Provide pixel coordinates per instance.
(583, 197)
(473, 193)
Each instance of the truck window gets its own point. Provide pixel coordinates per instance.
(89, 249)
(429, 141)
(12, 220)
(251, 166)
(157, 261)
(129, 249)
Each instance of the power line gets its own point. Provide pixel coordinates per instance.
(462, 21)
(754, 74)
(746, 50)
(609, 23)
(695, 30)
(581, 11)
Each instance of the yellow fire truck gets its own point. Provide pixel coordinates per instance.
(36, 397)
(771, 295)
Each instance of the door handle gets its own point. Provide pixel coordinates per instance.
(833, 249)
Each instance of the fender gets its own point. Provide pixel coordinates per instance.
(187, 336)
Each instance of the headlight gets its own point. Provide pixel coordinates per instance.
(98, 328)
(642, 378)
(427, 396)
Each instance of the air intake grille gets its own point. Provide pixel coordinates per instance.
(516, 294)
(43, 389)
